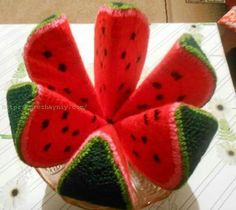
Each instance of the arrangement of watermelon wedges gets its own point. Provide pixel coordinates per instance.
(98, 132)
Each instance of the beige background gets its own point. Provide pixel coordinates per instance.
(33, 11)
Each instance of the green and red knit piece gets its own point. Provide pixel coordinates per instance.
(157, 128)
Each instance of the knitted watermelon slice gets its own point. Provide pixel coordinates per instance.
(98, 173)
(121, 37)
(47, 128)
(167, 143)
(60, 118)
(53, 60)
(185, 74)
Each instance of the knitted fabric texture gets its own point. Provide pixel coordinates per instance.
(162, 139)
(93, 176)
(195, 128)
(117, 33)
(172, 80)
(53, 60)
(46, 21)
(44, 119)
(20, 101)
(167, 143)
(189, 43)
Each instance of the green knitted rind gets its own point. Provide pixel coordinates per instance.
(46, 21)
(196, 128)
(188, 42)
(93, 176)
(120, 5)
(20, 102)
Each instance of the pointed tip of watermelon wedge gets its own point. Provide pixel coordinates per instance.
(120, 5)
(20, 99)
(190, 44)
(46, 21)
(93, 176)
(196, 128)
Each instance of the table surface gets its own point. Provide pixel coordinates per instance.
(211, 186)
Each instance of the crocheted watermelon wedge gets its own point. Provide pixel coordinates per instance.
(167, 143)
(98, 173)
(47, 128)
(53, 60)
(54, 119)
(121, 37)
(185, 74)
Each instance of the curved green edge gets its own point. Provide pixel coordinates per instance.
(182, 140)
(46, 21)
(19, 109)
(183, 146)
(189, 43)
(85, 150)
(120, 6)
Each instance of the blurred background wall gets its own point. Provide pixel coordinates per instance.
(32, 11)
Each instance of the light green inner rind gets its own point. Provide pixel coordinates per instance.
(120, 5)
(183, 146)
(46, 21)
(85, 152)
(190, 150)
(188, 42)
(20, 102)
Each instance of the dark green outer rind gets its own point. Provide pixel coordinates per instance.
(83, 153)
(46, 21)
(186, 154)
(20, 102)
(188, 43)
